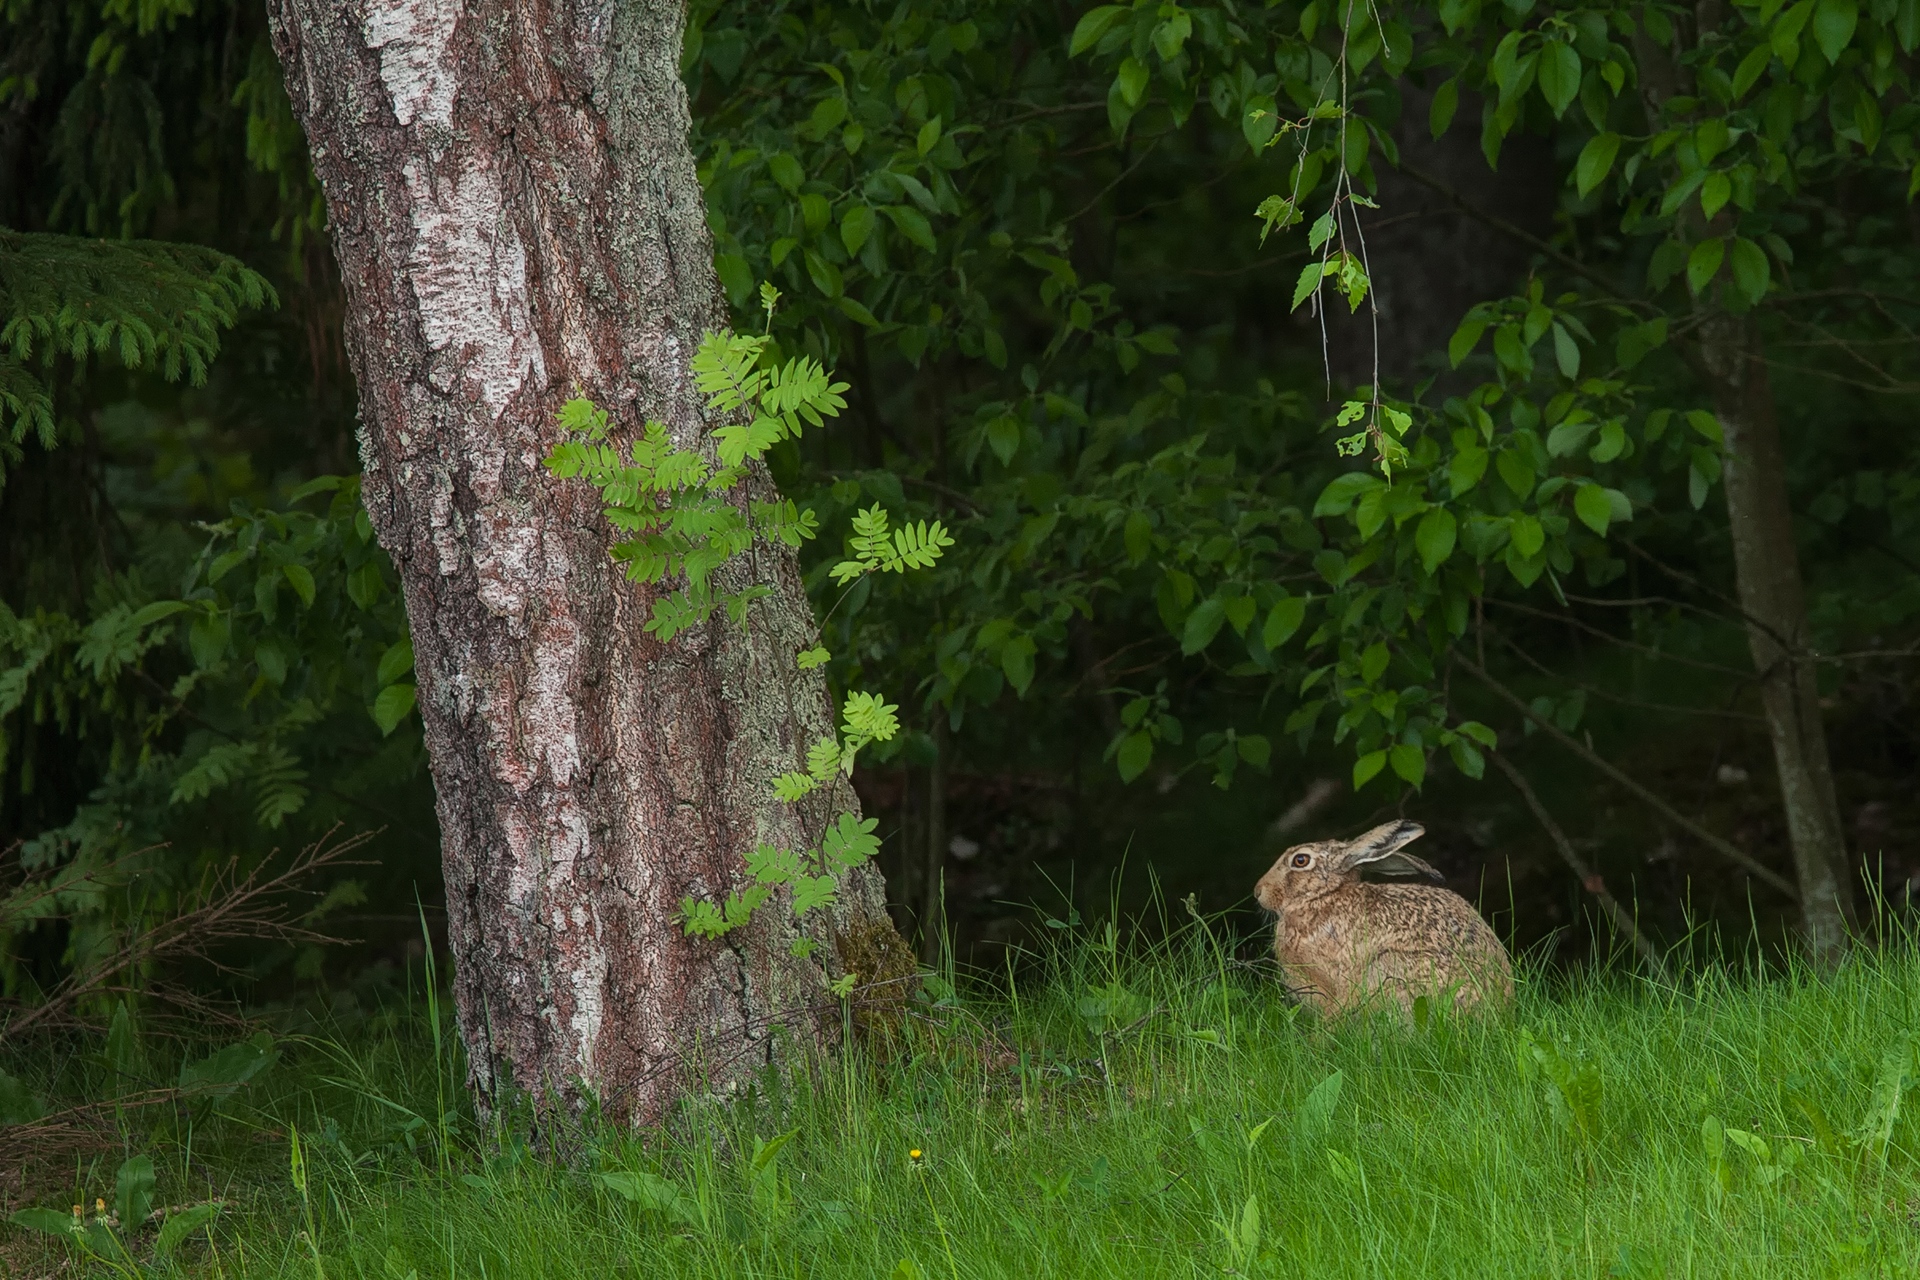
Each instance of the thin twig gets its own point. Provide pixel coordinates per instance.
(1589, 879)
(1723, 847)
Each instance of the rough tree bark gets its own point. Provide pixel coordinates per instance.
(517, 218)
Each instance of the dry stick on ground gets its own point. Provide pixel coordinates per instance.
(1719, 845)
(233, 907)
(1589, 879)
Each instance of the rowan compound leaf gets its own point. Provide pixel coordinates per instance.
(808, 659)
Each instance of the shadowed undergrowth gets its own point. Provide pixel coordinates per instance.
(1160, 1114)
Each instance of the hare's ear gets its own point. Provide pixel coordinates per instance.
(1379, 851)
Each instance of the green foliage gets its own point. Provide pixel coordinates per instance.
(146, 303)
(676, 503)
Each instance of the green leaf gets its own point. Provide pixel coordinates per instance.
(392, 706)
(1833, 24)
(1715, 191)
(1751, 272)
(1131, 80)
(929, 136)
(395, 662)
(1003, 434)
(1566, 352)
(1410, 762)
(1516, 471)
(1341, 492)
(1434, 537)
(1559, 75)
(1139, 536)
(1136, 752)
(1446, 100)
(856, 228)
(787, 172)
(1751, 68)
(1203, 624)
(1464, 339)
(825, 276)
(1466, 469)
(1704, 263)
(47, 1221)
(1591, 504)
(808, 659)
(207, 639)
(1016, 660)
(1595, 162)
(1309, 280)
(224, 1072)
(1373, 662)
(1367, 766)
(1283, 620)
(1093, 24)
(300, 578)
(1528, 536)
(911, 224)
(1707, 425)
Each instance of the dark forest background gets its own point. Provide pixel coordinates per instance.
(1068, 289)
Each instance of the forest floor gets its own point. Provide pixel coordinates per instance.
(1169, 1114)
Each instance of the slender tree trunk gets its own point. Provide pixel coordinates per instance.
(1766, 563)
(1767, 569)
(514, 207)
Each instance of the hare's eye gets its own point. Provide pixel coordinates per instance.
(1302, 859)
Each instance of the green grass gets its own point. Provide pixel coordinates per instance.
(1162, 1115)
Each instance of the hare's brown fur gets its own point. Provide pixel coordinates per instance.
(1345, 943)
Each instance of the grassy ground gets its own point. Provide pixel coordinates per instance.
(1166, 1115)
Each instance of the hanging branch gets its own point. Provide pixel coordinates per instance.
(1721, 846)
(1589, 879)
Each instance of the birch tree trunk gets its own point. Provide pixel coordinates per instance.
(517, 218)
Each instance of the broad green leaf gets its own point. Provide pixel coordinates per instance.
(1341, 492)
(1566, 352)
(1559, 74)
(1833, 24)
(1309, 281)
(1528, 536)
(1434, 537)
(1567, 438)
(1410, 762)
(47, 1221)
(300, 578)
(1715, 191)
(1016, 660)
(1516, 471)
(1446, 100)
(1751, 68)
(911, 223)
(1704, 263)
(1093, 24)
(1595, 162)
(787, 172)
(1590, 503)
(1707, 425)
(1203, 624)
(395, 662)
(1468, 465)
(1131, 79)
(392, 706)
(1136, 753)
(1283, 620)
(1373, 662)
(1003, 435)
(1749, 268)
(1613, 443)
(856, 228)
(1367, 766)
(1464, 339)
(1138, 535)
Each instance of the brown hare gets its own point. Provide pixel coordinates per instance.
(1345, 943)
